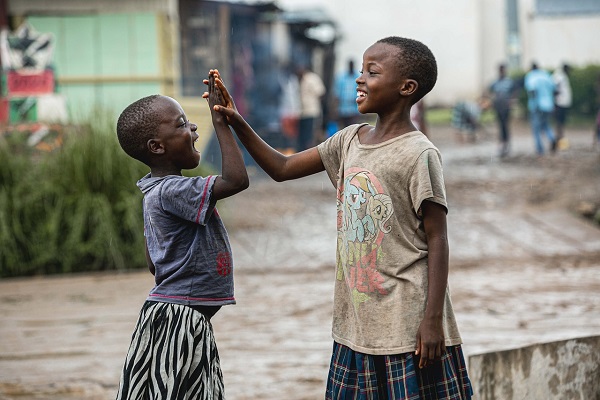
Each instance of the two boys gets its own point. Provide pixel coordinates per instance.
(395, 335)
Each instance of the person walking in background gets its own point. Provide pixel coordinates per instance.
(289, 108)
(311, 90)
(173, 353)
(394, 329)
(466, 117)
(345, 96)
(562, 101)
(540, 103)
(502, 92)
(596, 139)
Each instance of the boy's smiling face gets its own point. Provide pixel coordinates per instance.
(380, 83)
(175, 137)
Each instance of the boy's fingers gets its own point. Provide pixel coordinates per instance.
(223, 90)
(425, 356)
(223, 110)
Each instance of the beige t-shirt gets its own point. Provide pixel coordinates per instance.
(311, 91)
(381, 281)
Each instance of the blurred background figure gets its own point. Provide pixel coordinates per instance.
(596, 140)
(311, 91)
(289, 112)
(502, 92)
(466, 116)
(417, 116)
(562, 101)
(540, 102)
(345, 97)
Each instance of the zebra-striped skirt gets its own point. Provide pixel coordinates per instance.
(173, 355)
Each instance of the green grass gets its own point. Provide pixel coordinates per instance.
(74, 209)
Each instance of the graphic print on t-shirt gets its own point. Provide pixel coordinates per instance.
(363, 211)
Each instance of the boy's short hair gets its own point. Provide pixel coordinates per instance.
(136, 125)
(415, 61)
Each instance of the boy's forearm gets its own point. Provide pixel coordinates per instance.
(233, 170)
(269, 159)
(437, 276)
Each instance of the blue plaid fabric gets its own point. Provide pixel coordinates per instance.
(358, 376)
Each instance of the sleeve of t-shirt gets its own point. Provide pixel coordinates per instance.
(427, 181)
(188, 198)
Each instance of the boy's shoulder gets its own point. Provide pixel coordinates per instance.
(416, 143)
(149, 182)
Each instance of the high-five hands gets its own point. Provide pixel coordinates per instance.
(221, 101)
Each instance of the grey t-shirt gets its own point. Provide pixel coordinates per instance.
(187, 242)
(382, 254)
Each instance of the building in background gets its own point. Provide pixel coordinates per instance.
(470, 37)
(108, 53)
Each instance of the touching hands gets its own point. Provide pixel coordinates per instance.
(214, 96)
(223, 102)
(430, 342)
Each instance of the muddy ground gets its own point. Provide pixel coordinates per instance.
(525, 268)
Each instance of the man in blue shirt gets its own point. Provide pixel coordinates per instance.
(540, 92)
(345, 95)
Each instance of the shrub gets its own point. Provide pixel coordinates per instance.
(71, 210)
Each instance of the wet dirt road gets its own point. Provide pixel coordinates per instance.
(524, 269)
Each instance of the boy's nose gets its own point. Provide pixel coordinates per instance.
(194, 127)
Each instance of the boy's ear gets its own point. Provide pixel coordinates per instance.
(408, 87)
(155, 146)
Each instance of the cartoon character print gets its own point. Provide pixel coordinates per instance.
(363, 213)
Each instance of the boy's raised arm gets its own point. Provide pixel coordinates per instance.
(279, 166)
(234, 177)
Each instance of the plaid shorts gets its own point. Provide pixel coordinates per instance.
(358, 376)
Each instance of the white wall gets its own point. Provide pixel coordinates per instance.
(468, 37)
(493, 28)
(449, 28)
(550, 41)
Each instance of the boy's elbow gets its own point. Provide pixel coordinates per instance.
(245, 184)
(242, 184)
(277, 177)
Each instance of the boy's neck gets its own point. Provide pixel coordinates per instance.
(388, 126)
(384, 131)
(159, 172)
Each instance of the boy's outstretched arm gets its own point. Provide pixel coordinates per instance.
(430, 337)
(234, 177)
(279, 166)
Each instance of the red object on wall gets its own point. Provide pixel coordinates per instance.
(28, 84)
(3, 110)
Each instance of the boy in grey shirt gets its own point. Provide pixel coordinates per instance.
(173, 353)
